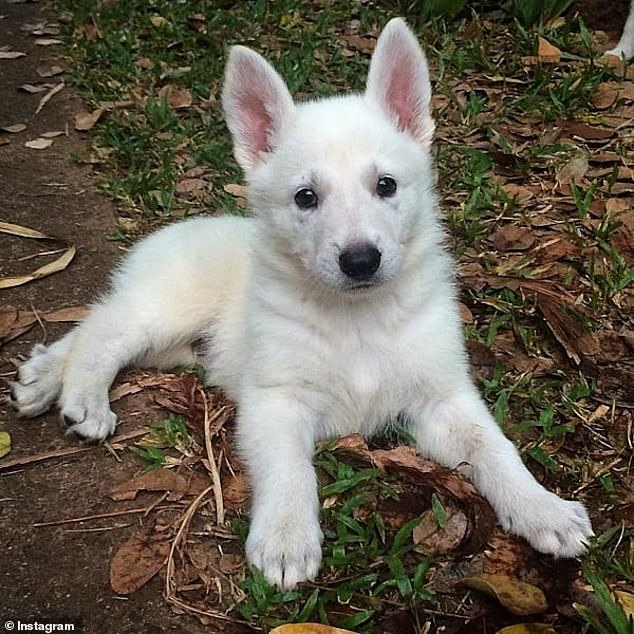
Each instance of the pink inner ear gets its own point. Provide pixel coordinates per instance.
(256, 121)
(401, 93)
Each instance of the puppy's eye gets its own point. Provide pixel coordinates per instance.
(306, 198)
(386, 186)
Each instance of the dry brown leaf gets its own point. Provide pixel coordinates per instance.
(516, 596)
(564, 324)
(69, 313)
(157, 480)
(31, 89)
(178, 98)
(11, 54)
(308, 628)
(239, 191)
(39, 144)
(235, 491)
(49, 71)
(138, 560)
(429, 477)
(623, 239)
(573, 171)
(513, 238)
(144, 62)
(359, 43)
(48, 41)
(48, 269)
(518, 193)
(431, 539)
(481, 359)
(188, 185)
(585, 131)
(53, 134)
(610, 92)
(626, 601)
(528, 628)
(86, 120)
(48, 96)
(547, 53)
(14, 129)
(617, 205)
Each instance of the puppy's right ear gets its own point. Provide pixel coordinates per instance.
(256, 102)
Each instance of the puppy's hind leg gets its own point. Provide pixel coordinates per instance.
(116, 333)
(40, 378)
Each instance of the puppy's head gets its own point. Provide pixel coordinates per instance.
(342, 184)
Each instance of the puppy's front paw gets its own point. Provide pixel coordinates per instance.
(287, 549)
(551, 525)
(88, 421)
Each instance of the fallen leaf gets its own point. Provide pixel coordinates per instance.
(138, 560)
(239, 191)
(585, 131)
(177, 98)
(158, 21)
(431, 478)
(573, 171)
(5, 443)
(53, 134)
(69, 313)
(431, 539)
(624, 599)
(30, 88)
(516, 596)
(49, 71)
(188, 185)
(144, 62)
(14, 129)
(11, 54)
(308, 628)
(86, 120)
(48, 269)
(610, 92)
(157, 480)
(482, 360)
(517, 192)
(235, 491)
(359, 43)
(48, 96)
(39, 144)
(547, 53)
(48, 41)
(513, 238)
(528, 628)
(4, 140)
(565, 325)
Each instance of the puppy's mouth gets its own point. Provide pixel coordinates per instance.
(362, 286)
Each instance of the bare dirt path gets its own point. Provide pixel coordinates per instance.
(56, 572)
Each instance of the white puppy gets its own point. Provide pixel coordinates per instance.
(331, 311)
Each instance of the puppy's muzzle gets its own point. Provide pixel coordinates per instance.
(360, 261)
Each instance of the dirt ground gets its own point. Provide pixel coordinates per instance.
(62, 572)
(53, 572)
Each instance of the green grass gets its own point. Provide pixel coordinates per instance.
(368, 567)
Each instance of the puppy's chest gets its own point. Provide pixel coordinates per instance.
(369, 376)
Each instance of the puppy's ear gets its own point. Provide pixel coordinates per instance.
(399, 81)
(256, 102)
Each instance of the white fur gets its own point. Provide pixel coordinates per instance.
(625, 47)
(306, 353)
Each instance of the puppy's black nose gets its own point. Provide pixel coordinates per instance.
(360, 261)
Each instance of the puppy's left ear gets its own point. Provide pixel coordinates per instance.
(399, 81)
